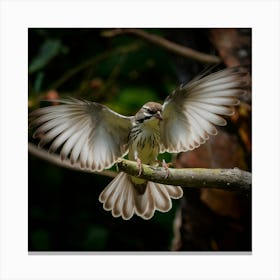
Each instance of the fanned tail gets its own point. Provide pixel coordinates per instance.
(122, 198)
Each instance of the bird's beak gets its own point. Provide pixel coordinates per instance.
(158, 115)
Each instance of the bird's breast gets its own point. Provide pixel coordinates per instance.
(146, 145)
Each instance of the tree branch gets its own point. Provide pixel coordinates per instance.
(166, 44)
(92, 61)
(225, 179)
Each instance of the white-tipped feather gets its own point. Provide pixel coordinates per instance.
(128, 205)
(51, 134)
(145, 207)
(203, 102)
(199, 128)
(150, 211)
(86, 155)
(216, 85)
(119, 201)
(208, 127)
(77, 148)
(209, 93)
(82, 128)
(160, 195)
(215, 109)
(224, 101)
(174, 192)
(122, 198)
(211, 117)
(71, 137)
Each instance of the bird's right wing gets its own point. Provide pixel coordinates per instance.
(90, 134)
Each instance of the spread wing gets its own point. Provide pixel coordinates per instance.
(89, 133)
(192, 111)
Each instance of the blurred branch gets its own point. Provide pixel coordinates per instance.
(166, 44)
(73, 71)
(55, 159)
(225, 179)
(112, 77)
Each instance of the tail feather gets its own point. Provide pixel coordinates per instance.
(118, 197)
(161, 196)
(110, 196)
(144, 204)
(174, 192)
(117, 209)
(122, 198)
(104, 196)
(128, 204)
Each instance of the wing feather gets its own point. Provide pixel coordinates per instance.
(87, 133)
(191, 112)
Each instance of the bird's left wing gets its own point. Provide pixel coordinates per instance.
(192, 111)
(90, 134)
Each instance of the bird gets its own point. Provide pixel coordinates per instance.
(94, 137)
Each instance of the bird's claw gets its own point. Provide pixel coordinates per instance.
(139, 165)
(165, 166)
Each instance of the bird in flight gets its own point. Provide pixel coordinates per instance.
(94, 137)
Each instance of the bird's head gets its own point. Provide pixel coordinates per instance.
(150, 113)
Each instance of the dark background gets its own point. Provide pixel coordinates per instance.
(124, 72)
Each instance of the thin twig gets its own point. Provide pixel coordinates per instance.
(92, 61)
(166, 44)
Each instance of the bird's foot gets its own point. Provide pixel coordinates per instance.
(166, 167)
(139, 165)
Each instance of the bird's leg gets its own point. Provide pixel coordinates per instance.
(139, 163)
(165, 166)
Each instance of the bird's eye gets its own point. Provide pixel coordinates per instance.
(149, 111)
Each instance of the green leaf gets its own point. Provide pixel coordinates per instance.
(48, 50)
(38, 81)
